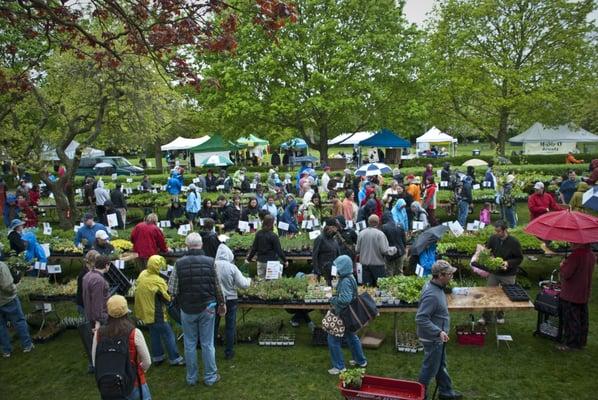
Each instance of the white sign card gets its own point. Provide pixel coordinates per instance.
(273, 270)
(220, 187)
(129, 180)
(184, 229)
(314, 234)
(476, 187)
(201, 221)
(120, 264)
(169, 268)
(140, 188)
(418, 225)
(316, 222)
(154, 191)
(349, 224)
(114, 177)
(252, 185)
(184, 188)
(165, 224)
(487, 184)
(256, 224)
(54, 269)
(47, 228)
(76, 228)
(195, 180)
(112, 220)
(456, 228)
(359, 270)
(287, 181)
(244, 226)
(419, 270)
(51, 195)
(333, 270)
(482, 225)
(78, 192)
(443, 184)
(46, 247)
(304, 224)
(361, 225)
(48, 307)
(339, 185)
(39, 265)
(283, 226)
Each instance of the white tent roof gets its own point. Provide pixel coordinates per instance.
(50, 153)
(538, 133)
(182, 143)
(350, 139)
(434, 135)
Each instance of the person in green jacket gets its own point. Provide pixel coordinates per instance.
(151, 298)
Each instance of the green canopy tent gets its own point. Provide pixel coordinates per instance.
(217, 145)
(252, 141)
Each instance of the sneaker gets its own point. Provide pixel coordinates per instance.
(500, 321)
(354, 363)
(336, 371)
(294, 324)
(6, 355)
(28, 349)
(178, 362)
(218, 377)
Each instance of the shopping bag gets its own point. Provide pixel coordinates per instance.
(333, 324)
(360, 312)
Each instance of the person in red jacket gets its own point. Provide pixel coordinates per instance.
(541, 202)
(370, 193)
(148, 240)
(576, 286)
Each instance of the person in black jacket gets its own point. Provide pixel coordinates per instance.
(17, 244)
(326, 250)
(250, 213)
(231, 214)
(176, 214)
(120, 203)
(346, 238)
(207, 211)
(275, 159)
(211, 181)
(267, 247)
(209, 238)
(396, 237)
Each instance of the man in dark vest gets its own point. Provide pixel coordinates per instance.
(195, 287)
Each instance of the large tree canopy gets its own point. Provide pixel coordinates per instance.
(498, 64)
(345, 65)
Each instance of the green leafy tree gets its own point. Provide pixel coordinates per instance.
(495, 65)
(344, 66)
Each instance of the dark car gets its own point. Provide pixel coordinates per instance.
(106, 165)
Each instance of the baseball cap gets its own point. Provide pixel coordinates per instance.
(539, 185)
(102, 235)
(87, 216)
(442, 267)
(117, 306)
(510, 178)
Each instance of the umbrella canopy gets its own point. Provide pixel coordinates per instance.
(567, 226)
(216, 161)
(373, 169)
(295, 143)
(590, 198)
(252, 141)
(475, 162)
(427, 237)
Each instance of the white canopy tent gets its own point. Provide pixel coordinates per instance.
(539, 139)
(435, 136)
(350, 139)
(50, 153)
(182, 143)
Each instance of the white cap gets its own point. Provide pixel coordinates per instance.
(102, 235)
(510, 178)
(539, 185)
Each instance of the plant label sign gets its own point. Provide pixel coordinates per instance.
(304, 224)
(244, 226)
(165, 224)
(471, 226)
(487, 184)
(349, 224)
(220, 187)
(339, 185)
(273, 270)
(184, 229)
(169, 268)
(47, 229)
(78, 192)
(195, 180)
(201, 221)
(418, 225)
(120, 264)
(359, 270)
(456, 228)
(253, 186)
(316, 222)
(482, 225)
(313, 235)
(39, 266)
(54, 269)
(114, 177)
(46, 247)
(129, 180)
(333, 270)
(476, 186)
(287, 181)
(112, 220)
(360, 226)
(444, 184)
(184, 188)
(419, 270)
(283, 226)
(256, 224)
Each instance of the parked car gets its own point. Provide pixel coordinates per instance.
(107, 166)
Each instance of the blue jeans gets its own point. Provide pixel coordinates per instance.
(336, 354)
(462, 211)
(434, 365)
(13, 312)
(230, 327)
(145, 392)
(162, 331)
(509, 216)
(200, 326)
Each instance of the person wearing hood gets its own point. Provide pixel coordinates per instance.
(326, 249)
(86, 234)
(193, 205)
(373, 248)
(345, 293)
(576, 202)
(102, 244)
(15, 236)
(231, 213)
(419, 214)
(34, 251)
(239, 178)
(266, 245)
(102, 196)
(289, 216)
(275, 158)
(593, 178)
(362, 193)
(399, 211)
(173, 186)
(209, 238)
(175, 213)
(230, 279)
(259, 196)
(371, 195)
(151, 301)
(395, 234)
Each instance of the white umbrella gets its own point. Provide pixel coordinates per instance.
(373, 169)
(216, 161)
(475, 162)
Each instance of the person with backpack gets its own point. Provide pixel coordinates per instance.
(209, 238)
(151, 299)
(96, 293)
(120, 355)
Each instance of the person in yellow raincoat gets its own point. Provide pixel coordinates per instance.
(151, 299)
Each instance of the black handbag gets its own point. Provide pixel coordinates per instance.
(359, 312)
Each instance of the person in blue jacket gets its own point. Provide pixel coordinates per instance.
(193, 204)
(399, 213)
(11, 209)
(289, 217)
(174, 185)
(86, 235)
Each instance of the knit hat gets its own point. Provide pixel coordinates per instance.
(117, 306)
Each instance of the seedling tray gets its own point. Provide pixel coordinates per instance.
(515, 292)
(408, 342)
(277, 340)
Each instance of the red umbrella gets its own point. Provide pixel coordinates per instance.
(567, 226)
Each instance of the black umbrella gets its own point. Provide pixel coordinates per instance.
(427, 237)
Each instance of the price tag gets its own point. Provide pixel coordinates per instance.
(333, 270)
(444, 184)
(195, 180)
(487, 184)
(283, 226)
(273, 270)
(47, 228)
(39, 265)
(129, 180)
(314, 234)
(120, 264)
(112, 220)
(114, 177)
(54, 269)
(476, 187)
(244, 226)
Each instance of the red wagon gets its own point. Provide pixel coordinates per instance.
(379, 388)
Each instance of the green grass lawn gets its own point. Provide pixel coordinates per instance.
(531, 369)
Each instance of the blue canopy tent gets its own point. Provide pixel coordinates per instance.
(295, 143)
(385, 138)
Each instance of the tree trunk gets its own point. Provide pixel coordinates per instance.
(65, 205)
(158, 155)
(323, 144)
(503, 125)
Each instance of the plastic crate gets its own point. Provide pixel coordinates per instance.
(515, 292)
(119, 283)
(379, 388)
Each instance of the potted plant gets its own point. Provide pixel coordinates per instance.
(352, 378)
